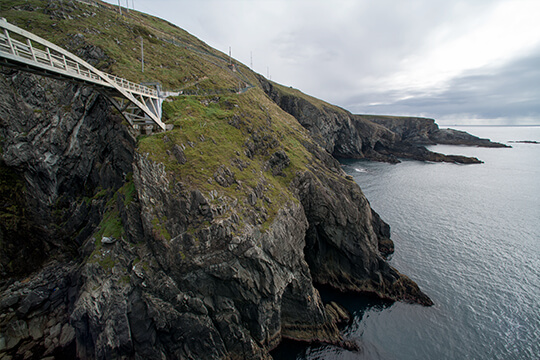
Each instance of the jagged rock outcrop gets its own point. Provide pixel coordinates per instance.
(59, 144)
(345, 238)
(380, 138)
(35, 314)
(457, 137)
(336, 130)
(131, 262)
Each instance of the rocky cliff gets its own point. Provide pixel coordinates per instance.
(373, 137)
(122, 258)
(206, 242)
(107, 252)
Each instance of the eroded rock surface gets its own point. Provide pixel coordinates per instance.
(189, 275)
(379, 138)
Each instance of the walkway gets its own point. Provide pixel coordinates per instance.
(140, 105)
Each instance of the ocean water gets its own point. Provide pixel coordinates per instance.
(469, 235)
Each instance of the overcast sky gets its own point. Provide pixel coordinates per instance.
(474, 61)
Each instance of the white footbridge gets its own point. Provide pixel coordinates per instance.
(139, 104)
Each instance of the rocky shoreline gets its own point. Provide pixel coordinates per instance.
(208, 241)
(371, 137)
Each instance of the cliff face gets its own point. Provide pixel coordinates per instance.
(373, 137)
(336, 130)
(58, 144)
(207, 241)
(109, 252)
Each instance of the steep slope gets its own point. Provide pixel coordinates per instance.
(203, 242)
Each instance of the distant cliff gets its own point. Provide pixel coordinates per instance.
(373, 137)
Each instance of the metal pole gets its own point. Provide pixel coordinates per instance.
(142, 54)
(119, 8)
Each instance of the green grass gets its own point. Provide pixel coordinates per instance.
(128, 190)
(107, 262)
(120, 38)
(160, 231)
(110, 226)
(212, 131)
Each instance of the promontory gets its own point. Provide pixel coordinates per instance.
(207, 241)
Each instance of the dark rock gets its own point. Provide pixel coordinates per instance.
(32, 301)
(179, 154)
(342, 248)
(457, 137)
(67, 335)
(36, 327)
(224, 176)
(278, 161)
(252, 199)
(525, 142)
(142, 326)
(16, 331)
(9, 301)
(338, 313)
(382, 230)
(44, 151)
(417, 152)
(373, 137)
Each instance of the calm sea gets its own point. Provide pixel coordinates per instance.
(469, 235)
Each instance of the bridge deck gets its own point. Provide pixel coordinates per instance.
(38, 55)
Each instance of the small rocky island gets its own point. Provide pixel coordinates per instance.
(207, 241)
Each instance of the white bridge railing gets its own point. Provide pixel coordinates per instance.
(32, 53)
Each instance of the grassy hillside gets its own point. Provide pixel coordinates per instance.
(220, 132)
(172, 56)
(235, 134)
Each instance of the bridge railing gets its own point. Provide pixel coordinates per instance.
(22, 49)
(128, 85)
(59, 61)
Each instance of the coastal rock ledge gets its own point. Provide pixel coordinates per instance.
(373, 137)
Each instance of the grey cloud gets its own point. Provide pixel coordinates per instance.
(337, 50)
(509, 91)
